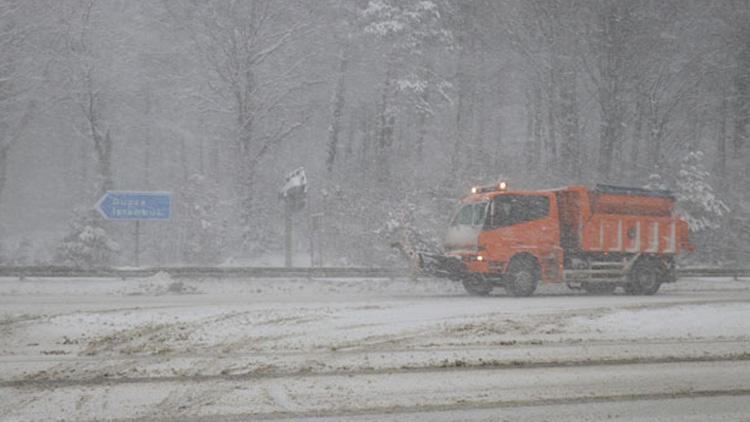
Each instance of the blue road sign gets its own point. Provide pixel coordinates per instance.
(136, 206)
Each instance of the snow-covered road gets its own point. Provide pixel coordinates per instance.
(159, 348)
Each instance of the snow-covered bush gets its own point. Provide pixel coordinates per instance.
(697, 202)
(655, 182)
(88, 244)
(406, 231)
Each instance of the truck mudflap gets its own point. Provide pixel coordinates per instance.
(444, 266)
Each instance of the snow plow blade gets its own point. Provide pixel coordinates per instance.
(443, 266)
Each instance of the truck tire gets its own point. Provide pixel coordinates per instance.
(645, 278)
(599, 288)
(477, 286)
(522, 277)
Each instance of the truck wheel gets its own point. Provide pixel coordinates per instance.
(522, 277)
(599, 288)
(645, 278)
(477, 286)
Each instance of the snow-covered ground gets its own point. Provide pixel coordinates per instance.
(68, 340)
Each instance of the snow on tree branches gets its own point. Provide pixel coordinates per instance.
(88, 245)
(697, 202)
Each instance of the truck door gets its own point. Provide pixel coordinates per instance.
(521, 223)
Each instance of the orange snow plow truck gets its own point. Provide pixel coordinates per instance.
(595, 240)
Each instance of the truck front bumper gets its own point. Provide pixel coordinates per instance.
(445, 266)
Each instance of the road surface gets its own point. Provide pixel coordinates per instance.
(378, 349)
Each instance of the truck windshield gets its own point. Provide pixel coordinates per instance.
(470, 214)
(507, 210)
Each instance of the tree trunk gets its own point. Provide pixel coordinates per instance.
(722, 140)
(614, 40)
(458, 143)
(571, 148)
(537, 144)
(146, 136)
(498, 149)
(551, 145)
(637, 140)
(529, 144)
(337, 111)
(184, 165)
(421, 134)
(103, 152)
(4, 150)
(463, 108)
(483, 159)
(350, 136)
(11, 139)
(742, 100)
(695, 133)
(365, 154)
(605, 149)
(423, 116)
(654, 136)
(386, 127)
(610, 129)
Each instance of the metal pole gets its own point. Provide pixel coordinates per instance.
(312, 240)
(137, 243)
(287, 233)
(315, 244)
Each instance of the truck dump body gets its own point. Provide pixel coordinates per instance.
(610, 219)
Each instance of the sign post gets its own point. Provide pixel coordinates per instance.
(136, 207)
(137, 243)
(288, 244)
(293, 194)
(316, 224)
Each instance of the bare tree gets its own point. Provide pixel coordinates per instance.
(610, 52)
(256, 79)
(86, 86)
(19, 73)
(545, 35)
(344, 33)
(737, 19)
(406, 31)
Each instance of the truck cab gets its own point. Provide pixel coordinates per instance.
(489, 229)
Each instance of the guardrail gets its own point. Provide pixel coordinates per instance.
(207, 272)
(713, 272)
(278, 272)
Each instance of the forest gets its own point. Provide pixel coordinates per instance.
(394, 108)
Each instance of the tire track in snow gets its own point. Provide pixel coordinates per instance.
(536, 344)
(447, 367)
(392, 411)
